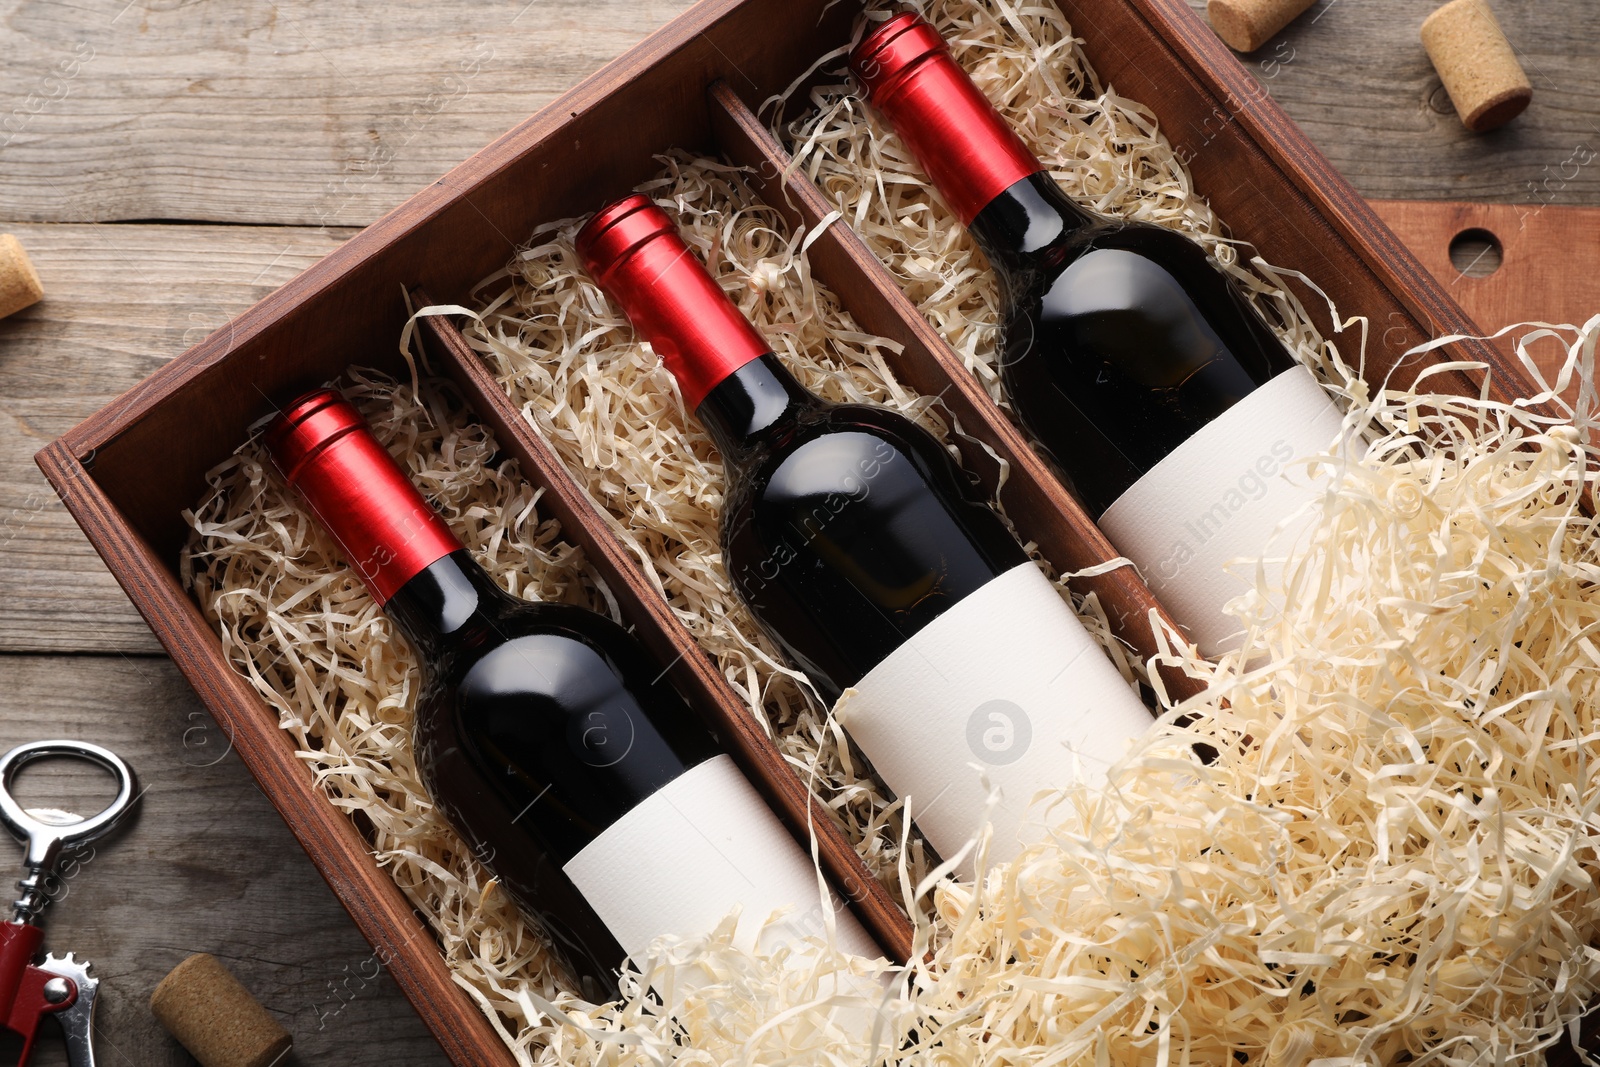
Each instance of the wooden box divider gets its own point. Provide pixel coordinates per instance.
(586, 526)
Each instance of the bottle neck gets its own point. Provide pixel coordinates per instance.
(637, 255)
(446, 605)
(386, 530)
(1022, 225)
(752, 406)
(966, 147)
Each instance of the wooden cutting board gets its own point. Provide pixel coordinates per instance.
(1549, 261)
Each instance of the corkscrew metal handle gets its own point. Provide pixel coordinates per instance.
(48, 832)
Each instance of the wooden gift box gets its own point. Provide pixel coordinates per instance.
(128, 472)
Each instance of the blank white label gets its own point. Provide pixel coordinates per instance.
(1007, 684)
(1217, 498)
(692, 852)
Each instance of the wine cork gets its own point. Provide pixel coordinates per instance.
(1476, 64)
(19, 282)
(1245, 25)
(203, 1005)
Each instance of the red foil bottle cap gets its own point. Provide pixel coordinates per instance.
(971, 153)
(324, 448)
(636, 254)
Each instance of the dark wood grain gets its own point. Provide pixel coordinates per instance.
(652, 619)
(297, 113)
(201, 865)
(286, 112)
(120, 302)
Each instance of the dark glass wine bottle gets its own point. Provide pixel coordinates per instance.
(1172, 410)
(870, 557)
(546, 734)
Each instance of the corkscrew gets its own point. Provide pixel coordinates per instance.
(59, 986)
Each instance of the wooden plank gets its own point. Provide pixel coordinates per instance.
(346, 109)
(203, 865)
(1549, 269)
(120, 301)
(280, 111)
(1355, 77)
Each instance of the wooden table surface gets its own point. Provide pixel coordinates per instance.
(167, 163)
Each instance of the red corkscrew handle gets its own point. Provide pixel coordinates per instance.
(23, 998)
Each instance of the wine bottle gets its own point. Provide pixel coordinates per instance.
(549, 738)
(1172, 410)
(870, 558)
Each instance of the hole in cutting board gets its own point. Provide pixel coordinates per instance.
(1476, 253)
